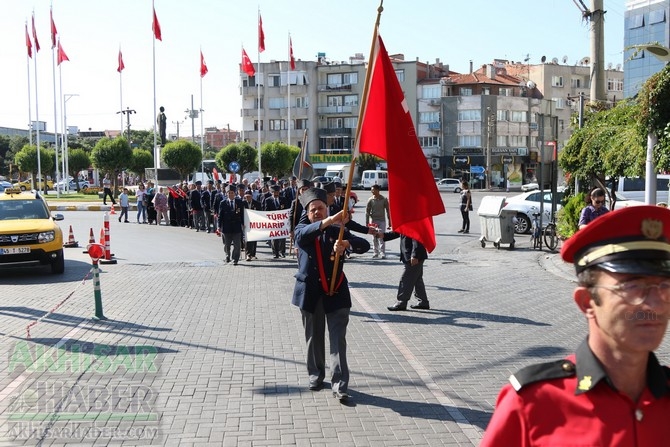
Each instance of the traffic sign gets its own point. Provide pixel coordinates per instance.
(233, 166)
(507, 159)
(477, 169)
(461, 160)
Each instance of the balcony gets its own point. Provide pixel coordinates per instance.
(332, 110)
(295, 89)
(334, 87)
(435, 127)
(339, 131)
(252, 112)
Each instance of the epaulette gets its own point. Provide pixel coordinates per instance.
(557, 369)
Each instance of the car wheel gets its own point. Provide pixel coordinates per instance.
(457, 190)
(58, 266)
(23, 188)
(84, 188)
(522, 225)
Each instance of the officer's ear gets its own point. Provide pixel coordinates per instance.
(585, 300)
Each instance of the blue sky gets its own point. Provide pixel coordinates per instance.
(92, 31)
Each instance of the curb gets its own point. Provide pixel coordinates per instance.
(87, 207)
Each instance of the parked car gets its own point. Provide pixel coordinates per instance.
(83, 184)
(527, 203)
(449, 184)
(4, 185)
(529, 187)
(26, 185)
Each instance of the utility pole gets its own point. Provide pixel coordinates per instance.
(177, 123)
(193, 114)
(127, 112)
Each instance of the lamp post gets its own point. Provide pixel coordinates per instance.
(127, 112)
(490, 124)
(65, 161)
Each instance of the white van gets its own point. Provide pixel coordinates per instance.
(370, 178)
(633, 188)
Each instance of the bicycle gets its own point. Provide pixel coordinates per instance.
(536, 232)
(550, 236)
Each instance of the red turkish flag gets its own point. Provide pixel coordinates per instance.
(62, 57)
(156, 27)
(53, 29)
(247, 66)
(37, 43)
(387, 131)
(261, 34)
(121, 64)
(290, 53)
(203, 66)
(215, 174)
(29, 44)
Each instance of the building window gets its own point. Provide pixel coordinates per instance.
(335, 123)
(350, 78)
(256, 125)
(636, 21)
(335, 144)
(657, 16)
(274, 80)
(470, 141)
(351, 100)
(504, 91)
(276, 103)
(400, 75)
(256, 103)
(465, 91)
(470, 115)
(560, 102)
(301, 123)
(351, 122)
(501, 140)
(429, 141)
(502, 115)
(517, 140)
(557, 81)
(334, 101)
(429, 117)
(301, 102)
(576, 83)
(430, 91)
(249, 81)
(519, 116)
(486, 91)
(615, 85)
(277, 125)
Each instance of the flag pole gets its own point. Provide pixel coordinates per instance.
(153, 9)
(121, 97)
(30, 114)
(258, 92)
(303, 149)
(364, 100)
(37, 119)
(202, 131)
(53, 73)
(63, 124)
(288, 83)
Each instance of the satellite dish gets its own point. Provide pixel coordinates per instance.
(565, 59)
(554, 61)
(618, 67)
(543, 59)
(530, 84)
(585, 61)
(609, 66)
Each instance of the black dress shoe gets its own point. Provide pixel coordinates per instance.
(227, 259)
(420, 306)
(315, 385)
(398, 306)
(342, 396)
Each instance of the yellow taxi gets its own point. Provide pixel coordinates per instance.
(26, 185)
(29, 235)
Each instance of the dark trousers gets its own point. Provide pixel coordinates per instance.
(250, 248)
(466, 220)
(278, 247)
(234, 239)
(315, 328)
(412, 281)
(107, 192)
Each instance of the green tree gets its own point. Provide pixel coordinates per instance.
(243, 153)
(182, 156)
(4, 149)
(277, 158)
(77, 160)
(143, 139)
(26, 160)
(140, 160)
(16, 143)
(367, 162)
(112, 156)
(654, 114)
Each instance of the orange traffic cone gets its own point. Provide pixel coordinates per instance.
(112, 211)
(70, 241)
(91, 240)
(102, 236)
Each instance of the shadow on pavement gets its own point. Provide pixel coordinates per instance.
(450, 317)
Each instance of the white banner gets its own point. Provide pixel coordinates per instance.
(264, 225)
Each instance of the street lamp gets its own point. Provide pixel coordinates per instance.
(66, 161)
(662, 53)
(490, 124)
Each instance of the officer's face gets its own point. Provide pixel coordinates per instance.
(316, 211)
(619, 325)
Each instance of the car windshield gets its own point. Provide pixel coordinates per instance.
(22, 209)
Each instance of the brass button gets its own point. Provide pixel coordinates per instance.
(568, 366)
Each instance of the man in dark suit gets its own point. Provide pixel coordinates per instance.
(318, 241)
(254, 205)
(196, 207)
(277, 203)
(206, 202)
(412, 254)
(231, 220)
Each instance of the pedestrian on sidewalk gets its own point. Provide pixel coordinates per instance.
(140, 195)
(613, 391)
(107, 190)
(318, 242)
(595, 208)
(466, 206)
(124, 201)
(161, 205)
(376, 215)
(231, 222)
(412, 255)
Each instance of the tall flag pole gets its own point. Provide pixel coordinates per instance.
(156, 28)
(120, 68)
(37, 113)
(249, 69)
(54, 32)
(29, 48)
(62, 57)
(261, 48)
(203, 72)
(291, 66)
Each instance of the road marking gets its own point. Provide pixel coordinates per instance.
(468, 429)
